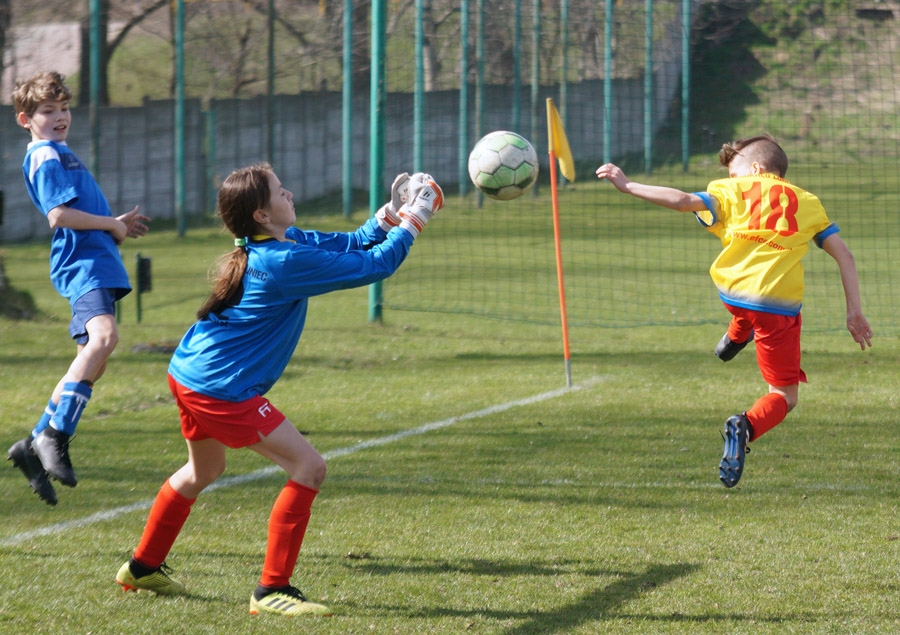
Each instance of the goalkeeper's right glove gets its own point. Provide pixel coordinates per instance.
(425, 199)
(387, 215)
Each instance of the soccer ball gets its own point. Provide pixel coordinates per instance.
(502, 165)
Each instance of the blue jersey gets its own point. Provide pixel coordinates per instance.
(80, 260)
(242, 351)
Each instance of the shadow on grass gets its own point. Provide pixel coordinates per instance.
(373, 565)
(602, 601)
(595, 605)
(601, 604)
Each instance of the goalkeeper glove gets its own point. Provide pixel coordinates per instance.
(425, 199)
(387, 216)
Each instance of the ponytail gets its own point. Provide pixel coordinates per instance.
(242, 193)
(228, 288)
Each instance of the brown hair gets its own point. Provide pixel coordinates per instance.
(43, 86)
(242, 193)
(762, 148)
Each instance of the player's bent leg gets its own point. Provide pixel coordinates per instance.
(90, 361)
(767, 412)
(737, 436)
(23, 457)
(102, 338)
(71, 397)
(791, 394)
(727, 350)
(288, 449)
(206, 463)
(737, 336)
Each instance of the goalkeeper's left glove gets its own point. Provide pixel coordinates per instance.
(425, 199)
(387, 216)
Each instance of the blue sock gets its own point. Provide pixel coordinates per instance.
(71, 404)
(44, 421)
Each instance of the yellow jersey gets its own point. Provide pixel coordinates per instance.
(765, 224)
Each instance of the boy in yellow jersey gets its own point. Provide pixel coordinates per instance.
(765, 224)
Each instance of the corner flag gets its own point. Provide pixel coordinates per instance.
(559, 144)
(559, 147)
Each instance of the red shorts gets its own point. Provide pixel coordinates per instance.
(235, 424)
(777, 340)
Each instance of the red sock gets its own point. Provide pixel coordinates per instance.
(287, 526)
(768, 411)
(167, 516)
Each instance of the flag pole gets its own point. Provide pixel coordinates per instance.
(556, 239)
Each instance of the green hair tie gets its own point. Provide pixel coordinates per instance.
(240, 242)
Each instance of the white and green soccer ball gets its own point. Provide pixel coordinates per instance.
(503, 164)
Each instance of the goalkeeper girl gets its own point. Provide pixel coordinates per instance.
(765, 224)
(243, 339)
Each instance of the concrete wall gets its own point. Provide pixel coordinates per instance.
(137, 164)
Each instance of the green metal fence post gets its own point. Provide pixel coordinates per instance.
(463, 97)
(347, 112)
(648, 88)
(376, 141)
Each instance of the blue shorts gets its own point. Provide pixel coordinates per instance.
(90, 305)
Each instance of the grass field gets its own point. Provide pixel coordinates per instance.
(469, 491)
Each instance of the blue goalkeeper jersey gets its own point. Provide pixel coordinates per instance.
(80, 260)
(242, 351)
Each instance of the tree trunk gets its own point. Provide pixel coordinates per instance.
(5, 17)
(431, 61)
(362, 41)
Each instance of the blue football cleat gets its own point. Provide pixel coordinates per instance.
(737, 436)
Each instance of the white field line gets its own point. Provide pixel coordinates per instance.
(231, 481)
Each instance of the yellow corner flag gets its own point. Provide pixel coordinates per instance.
(559, 144)
(559, 149)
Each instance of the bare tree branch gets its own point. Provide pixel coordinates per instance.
(134, 21)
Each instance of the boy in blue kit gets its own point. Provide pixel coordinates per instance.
(85, 268)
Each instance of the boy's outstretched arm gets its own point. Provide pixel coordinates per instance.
(857, 323)
(662, 196)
